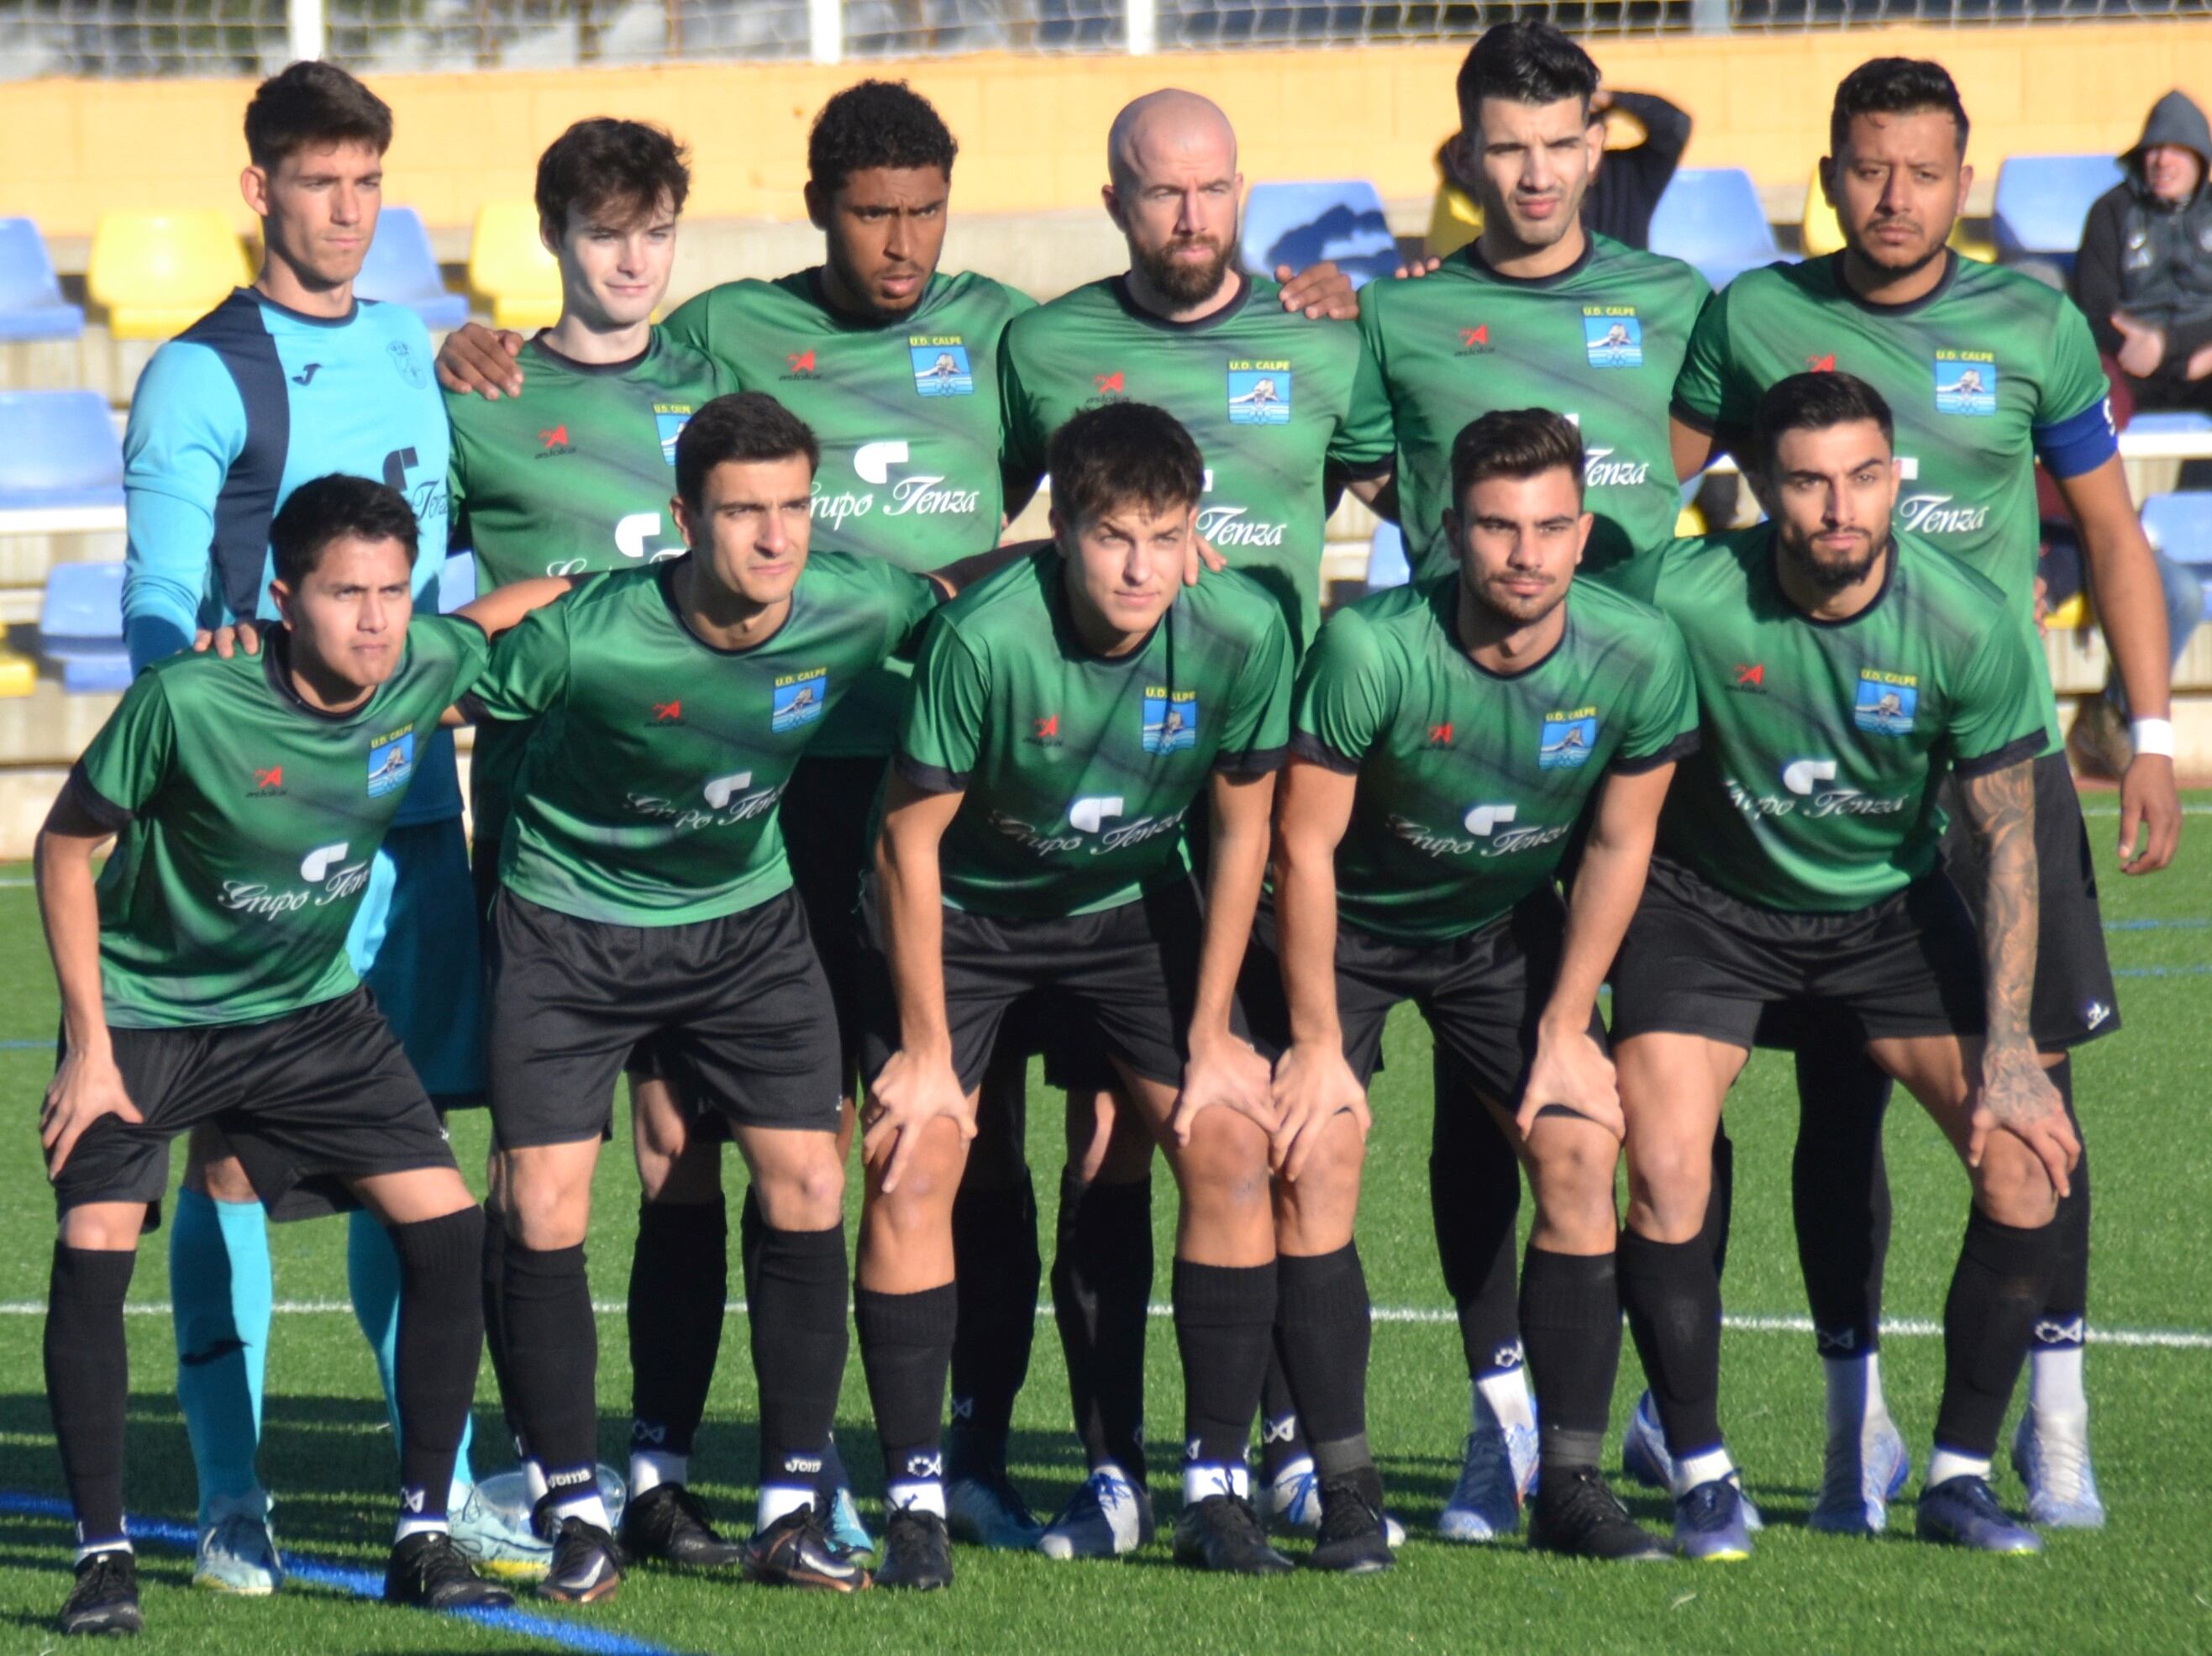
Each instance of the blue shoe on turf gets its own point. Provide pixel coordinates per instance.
(1962, 1512)
(1709, 1522)
(1864, 1471)
(237, 1550)
(1644, 1455)
(1108, 1516)
(2051, 1455)
(498, 1540)
(986, 1510)
(845, 1527)
(1498, 1471)
(1290, 1504)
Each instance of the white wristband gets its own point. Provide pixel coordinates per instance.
(2153, 736)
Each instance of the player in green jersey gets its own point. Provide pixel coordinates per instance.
(1068, 716)
(1448, 740)
(206, 979)
(1988, 372)
(1844, 668)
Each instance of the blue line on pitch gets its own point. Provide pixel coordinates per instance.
(2156, 925)
(25, 1046)
(349, 1579)
(2160, 972)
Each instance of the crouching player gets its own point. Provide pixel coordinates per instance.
(1067, 715)
(1446, 741)
(205, 981)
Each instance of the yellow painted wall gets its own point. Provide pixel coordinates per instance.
(1032, 128)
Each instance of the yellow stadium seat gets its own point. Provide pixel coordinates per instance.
(1822, 234)
(1455, 219)
(19, 674)
(158, 273)
(509, 266)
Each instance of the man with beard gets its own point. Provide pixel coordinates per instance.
(1446, 740)
(1989, 372)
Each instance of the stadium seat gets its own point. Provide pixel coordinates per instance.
(58, 452)
(402, 270)
(456, 583)
(1387, 562)
(509, 266)
(2041, 201)
(1302, 224)
(158, 273)
(1712, 217)
(80, 626)
(2180, 525)
(31, 304)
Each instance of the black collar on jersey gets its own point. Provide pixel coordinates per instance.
(276, 666)
(1906, 309)
(1888, 580)
(1447, 601)
(254, 296)
(1119, 286)
(858, 321)
(664, 578)
(561, 359)
(1481, 266)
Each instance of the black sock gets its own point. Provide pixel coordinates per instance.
(1101, 1288)
(1839, 1188)
(88, 1381)
(906, 1348)
(1474, 1200)
(1282, 1433)
(995, 1249)
(1720, 1203)
(679, 1274)
(2065, 1315)
(493, 1267)
(1323, 1324)
(440, 1345)
(553, 1349)
(1570, 1318)
(799, 1342)
(1673, 1305)
(2002, 1284)
(751, 1227)
(1225, 1321)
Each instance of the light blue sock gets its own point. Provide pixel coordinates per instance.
(373, 1279)
(222, 1290)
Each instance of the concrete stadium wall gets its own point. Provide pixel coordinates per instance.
(1032, 128)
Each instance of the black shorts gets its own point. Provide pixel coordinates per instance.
(2074, 1000)
(738, 1004)
(309, 1101)
(1130, 975)
(827, 808)
(1697, 961)
(1481, 993)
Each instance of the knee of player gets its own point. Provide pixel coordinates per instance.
(103, 1226)
(808, 1197)
(2012, 1185)
(1668, 1185)
(544, 1211)
(1573, 1160)
(1225, 1163)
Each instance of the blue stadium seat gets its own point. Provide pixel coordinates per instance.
(2171, 423)
(2180, 525)
(2041, 201)
(58, 449)
(1302, 224)
(402, 270)
(80, 626)
(1712, 217)
(31, 305)
(1387, 564)
(456, 583)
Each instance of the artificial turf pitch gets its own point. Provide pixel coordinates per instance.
(2144, 1583)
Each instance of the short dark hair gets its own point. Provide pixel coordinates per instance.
(743, 426)
(1514, 443)
(326, 510)
(1528, 60)
(876, 123)
(602, 165)
(1894, 86)
(312, 103)
(1814, 402)
(1119, 453)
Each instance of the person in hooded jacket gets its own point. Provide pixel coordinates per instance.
(2144, 274)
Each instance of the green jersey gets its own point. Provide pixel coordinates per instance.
(647, 795)
(908, 415)
(247, 821)
(1271, 398)
(1470, 782)
(1822, 744)
(1601, 341)
(1078, 768)
(1982, 376)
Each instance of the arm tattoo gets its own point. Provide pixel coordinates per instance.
(2000, 805)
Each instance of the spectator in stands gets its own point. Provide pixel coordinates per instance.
(2144, 275)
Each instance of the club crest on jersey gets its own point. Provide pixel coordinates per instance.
(1259, 393)
(798, 698)
(940, 366)
(1568, 739)
(390, 761)
(403, 359)
(1886, 702)
(1965, 382)
(670, 420)
(1611, 335)
(1170, 720)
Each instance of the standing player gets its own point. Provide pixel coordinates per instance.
(289, 380)
(1448, 739)
(573, 478)
(1066, 717)
(1800, 860)
(1987, 371)
(207, 979)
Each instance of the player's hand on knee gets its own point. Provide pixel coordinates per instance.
(86, 1086)
(2016, 1097)
(480, 359)
(911, 1092)
(1570, 1070)
(1225, 1071)
(1318, 290)
(227, 641)
(1313, 1086)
